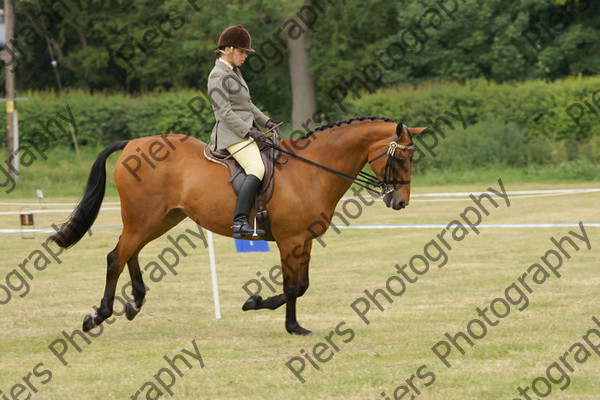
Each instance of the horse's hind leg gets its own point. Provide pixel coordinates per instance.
(133, 307)
(116, 259)
(138, 288)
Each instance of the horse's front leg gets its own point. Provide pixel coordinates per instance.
(304, 261)
(295, 267)
(256, 302)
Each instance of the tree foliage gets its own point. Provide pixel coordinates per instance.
(139, 46)
(500, 40)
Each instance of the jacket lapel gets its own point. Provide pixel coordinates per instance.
(238, 75)
(239, 78)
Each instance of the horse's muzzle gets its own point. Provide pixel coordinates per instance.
(395, 201)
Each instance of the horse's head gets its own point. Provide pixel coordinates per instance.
(393, 166)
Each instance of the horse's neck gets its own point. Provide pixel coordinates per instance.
(343, 149)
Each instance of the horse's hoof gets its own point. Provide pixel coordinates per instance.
(252, 303)
(131, 310)
(298, 330)
(88, 323)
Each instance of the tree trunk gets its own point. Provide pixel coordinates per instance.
(304, 103)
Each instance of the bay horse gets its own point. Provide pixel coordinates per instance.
(172, 180)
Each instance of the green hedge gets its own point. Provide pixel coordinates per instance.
(514, 124)
(104, 118)
(537, 106)
(517, 124)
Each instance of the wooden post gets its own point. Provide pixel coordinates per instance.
(11, 107)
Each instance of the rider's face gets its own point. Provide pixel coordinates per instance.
(236, 56)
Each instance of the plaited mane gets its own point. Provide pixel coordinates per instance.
(346, 122)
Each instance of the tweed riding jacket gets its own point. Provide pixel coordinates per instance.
(234, 112)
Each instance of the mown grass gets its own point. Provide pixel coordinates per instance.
(245, 353)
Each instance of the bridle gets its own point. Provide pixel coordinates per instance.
(392, 163)
(364, 179)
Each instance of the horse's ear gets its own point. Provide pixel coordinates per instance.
(416, 131)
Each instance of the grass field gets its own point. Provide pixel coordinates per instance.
(244, 354)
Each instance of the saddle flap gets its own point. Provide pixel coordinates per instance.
(220, 157)
(237, 176)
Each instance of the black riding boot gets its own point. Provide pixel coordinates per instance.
(241, 226)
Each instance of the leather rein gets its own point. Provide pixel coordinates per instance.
(364, 179)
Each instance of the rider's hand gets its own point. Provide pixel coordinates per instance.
(270, 124)
(258, 136)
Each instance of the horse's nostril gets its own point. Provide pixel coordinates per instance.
(402, 204)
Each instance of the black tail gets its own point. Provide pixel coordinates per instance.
(87, 210)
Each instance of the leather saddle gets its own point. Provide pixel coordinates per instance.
(237, 175)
